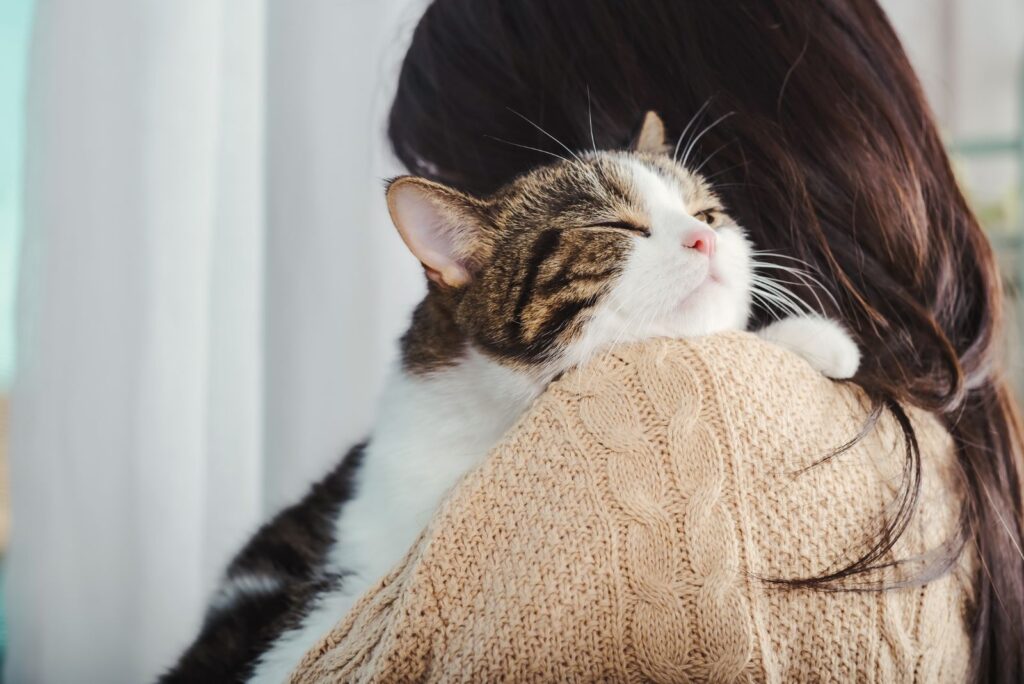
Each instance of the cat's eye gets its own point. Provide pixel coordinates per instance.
(708, 216)
(621, 225)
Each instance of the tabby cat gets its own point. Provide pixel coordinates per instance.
(596, 249)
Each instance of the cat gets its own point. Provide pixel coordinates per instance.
(601, 248)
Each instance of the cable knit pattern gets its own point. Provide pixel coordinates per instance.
(619, 533)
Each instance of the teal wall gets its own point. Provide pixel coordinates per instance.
(15, 25)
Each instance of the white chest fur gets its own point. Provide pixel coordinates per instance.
(431, 431)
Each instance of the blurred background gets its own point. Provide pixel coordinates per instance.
(200, 289)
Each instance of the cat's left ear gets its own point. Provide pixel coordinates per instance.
(651, 138)
(444, 228)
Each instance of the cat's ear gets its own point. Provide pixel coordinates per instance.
(651, 138)
(443, 227)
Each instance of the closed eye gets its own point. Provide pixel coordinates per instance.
(622, 225)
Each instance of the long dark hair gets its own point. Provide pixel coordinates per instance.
(823, 147)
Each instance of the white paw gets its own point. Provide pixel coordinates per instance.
(822, 342)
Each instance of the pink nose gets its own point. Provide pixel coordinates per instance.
(702, 240)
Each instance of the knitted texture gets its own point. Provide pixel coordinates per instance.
(625, 528)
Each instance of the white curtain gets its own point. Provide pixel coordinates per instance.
(210, 294)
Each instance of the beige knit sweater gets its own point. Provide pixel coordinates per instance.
(621, 530)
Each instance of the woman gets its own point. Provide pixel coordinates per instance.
(662, 495)
(816, 132)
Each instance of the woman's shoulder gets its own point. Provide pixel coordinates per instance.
(629, 525)
(757, 425)
(764, 402)
(760, 467)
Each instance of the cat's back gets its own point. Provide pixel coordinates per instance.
(629, 525)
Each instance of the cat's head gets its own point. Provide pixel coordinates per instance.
(604, 247)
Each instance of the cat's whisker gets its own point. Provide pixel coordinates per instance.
(563, 145)
(528, 147)
(815, 286)
(777, 286)
(783, 303)
(780, 304)
(769, 286)
(787, 283)
(693, 143)
(772, 252)
(770, 306)
(777, 291)
(807, 279)
(689, 124)
(590, 118)
(710, 157)
(721, 172)
(800, 272)
(804, 272)
(779, 255)
(770, 303)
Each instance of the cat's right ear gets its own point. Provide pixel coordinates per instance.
(441, 226)
(651, 138)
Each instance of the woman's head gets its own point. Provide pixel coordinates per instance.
(810, 122)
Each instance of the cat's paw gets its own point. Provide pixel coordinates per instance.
(822, 342)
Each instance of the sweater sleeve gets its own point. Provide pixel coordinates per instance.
(629, 526)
